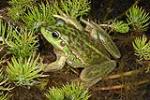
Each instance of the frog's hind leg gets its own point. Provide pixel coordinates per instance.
(92, 74)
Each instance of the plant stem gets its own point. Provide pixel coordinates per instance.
(118, 87)
(125, 74)
(104, 25)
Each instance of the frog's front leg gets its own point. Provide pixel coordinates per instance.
(58, 64)
(94, 73)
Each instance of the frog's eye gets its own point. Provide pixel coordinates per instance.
(56, 34)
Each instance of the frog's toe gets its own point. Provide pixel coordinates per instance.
(91, 75)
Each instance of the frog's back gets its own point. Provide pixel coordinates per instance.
(85, 48)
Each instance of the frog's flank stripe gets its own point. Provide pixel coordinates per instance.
(97, 51)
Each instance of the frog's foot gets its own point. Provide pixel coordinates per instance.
(91, 75)
(57, 65)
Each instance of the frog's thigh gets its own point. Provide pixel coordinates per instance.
(94, 73)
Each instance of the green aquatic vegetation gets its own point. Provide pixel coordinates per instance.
(73, 91)
(138, 18)
(16, 12)
(117, 26)
(3, 97)
(24, 72)
(55, 94)
(24, 3)
(5, 31)
(141, 46)
(4, 84)
(21, 43)
(120, 26)
(73, 8)
(2, 30)
(18, 8)
(39, 16)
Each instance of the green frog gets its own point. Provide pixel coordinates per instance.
(90, 48)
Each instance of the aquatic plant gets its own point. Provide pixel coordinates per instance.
(117, 26)
(73, 91)
(18, 8)
(4, 84)
(55, 94)
(39, 16)
(138, 18)
(21, 43)
(141, 46)
(73, 8)
(120, 26)
(5, 31)
(24, 3)
(2, 30)
(3, 97)
(16, 12)
(24, 72)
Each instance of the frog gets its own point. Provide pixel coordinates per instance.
(89, 47)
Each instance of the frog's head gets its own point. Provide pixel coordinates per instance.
(54, 37)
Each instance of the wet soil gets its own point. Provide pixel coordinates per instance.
(104, 90)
